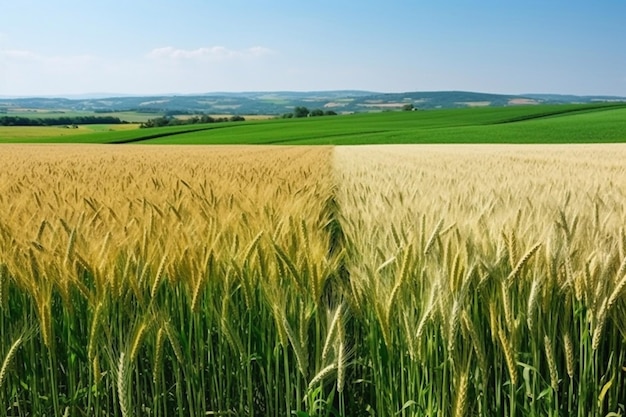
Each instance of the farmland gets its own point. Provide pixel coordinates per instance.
(575, 123)
(368, 280)
(279, 102)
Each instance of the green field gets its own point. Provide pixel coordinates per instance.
(128, 116)
(524, 124)
(19, 134)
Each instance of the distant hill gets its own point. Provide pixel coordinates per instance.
(280, 102)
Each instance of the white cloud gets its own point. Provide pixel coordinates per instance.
(17, 54)
(29, 72)
(213, 53)
(163, 70)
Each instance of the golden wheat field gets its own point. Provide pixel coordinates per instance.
(312, 281)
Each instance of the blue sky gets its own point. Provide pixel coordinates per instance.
(65, 47)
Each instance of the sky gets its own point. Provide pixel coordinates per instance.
(151, 47)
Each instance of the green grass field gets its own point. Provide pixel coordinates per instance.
(129, 116)
(525, 124)
(20, 134)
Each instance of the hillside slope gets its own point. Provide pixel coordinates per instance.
(528, 124)
(276, 103)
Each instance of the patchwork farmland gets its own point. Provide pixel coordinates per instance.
(574, 123)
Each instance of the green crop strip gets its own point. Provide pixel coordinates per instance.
(526, 124)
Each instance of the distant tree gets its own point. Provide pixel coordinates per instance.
(173, 121)
(158, 122)
(300, 111)
(317, 112)
(59, 121)
(408, 107)
(330, 113)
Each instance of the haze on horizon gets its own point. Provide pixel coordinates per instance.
(193, 46)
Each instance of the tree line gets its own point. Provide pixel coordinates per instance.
(60, 121)
(301, 111)
(173, 121)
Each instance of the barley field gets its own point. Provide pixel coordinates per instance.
(312, 281)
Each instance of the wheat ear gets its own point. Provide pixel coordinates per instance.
(569, 354)
(477, 343)
(122, 385)
(158, 278)
(322, 374)
(554, 376)
(532, 300)
(137, 340)
(174, 342)
(331, 333)
(523, 262)
(196, 294)
(599, 326)
(7, 360)
(158, 355)
(617, 292)
(461, 394)
(509, 356)
(433, 237)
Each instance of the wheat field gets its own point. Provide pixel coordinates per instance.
(494, 275)
(274, 281)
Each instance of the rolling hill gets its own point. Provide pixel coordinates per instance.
(276, 103)
(577, 123)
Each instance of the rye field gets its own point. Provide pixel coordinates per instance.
(431, 280)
